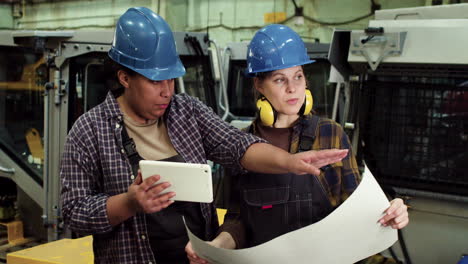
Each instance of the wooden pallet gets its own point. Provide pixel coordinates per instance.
(14, 235)
(12, 239)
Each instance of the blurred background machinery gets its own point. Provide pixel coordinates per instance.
(408, 88)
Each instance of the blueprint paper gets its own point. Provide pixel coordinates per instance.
(347, 235)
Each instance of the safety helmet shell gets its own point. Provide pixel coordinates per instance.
(275, 47)
(144, 43)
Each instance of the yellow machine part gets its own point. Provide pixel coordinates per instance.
(65, 251)
(33, 138)
(28, 79)
(221, 214)
(14, 233)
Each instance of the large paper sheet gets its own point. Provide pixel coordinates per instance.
(348, 234)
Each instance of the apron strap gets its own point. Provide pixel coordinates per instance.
(308, 133)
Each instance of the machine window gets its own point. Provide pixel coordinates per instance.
(323, 92)
(198, 81)
(23, 75)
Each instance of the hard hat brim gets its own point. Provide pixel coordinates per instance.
(166, 73)
(279, 67)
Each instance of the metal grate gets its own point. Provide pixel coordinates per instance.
(415, 132)
(414, 70)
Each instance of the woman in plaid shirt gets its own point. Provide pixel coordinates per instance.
(264, 206)
(102, 192)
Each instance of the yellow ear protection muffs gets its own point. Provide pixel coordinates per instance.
(308, 103)
(267, 113)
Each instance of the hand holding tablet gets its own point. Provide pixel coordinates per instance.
(191, 182)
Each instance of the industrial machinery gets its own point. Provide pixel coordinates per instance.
(47, 80)
(406, 77)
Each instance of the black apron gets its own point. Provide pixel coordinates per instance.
(166, 230)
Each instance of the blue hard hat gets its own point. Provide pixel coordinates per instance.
(144, 43)
(275, 47)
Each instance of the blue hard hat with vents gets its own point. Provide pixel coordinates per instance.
(275, 47)
(144, 43)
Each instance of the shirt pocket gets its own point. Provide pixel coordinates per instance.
(331, 180)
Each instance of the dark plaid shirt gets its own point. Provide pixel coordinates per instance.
(344, 177)
(339, 181)
(94, 167)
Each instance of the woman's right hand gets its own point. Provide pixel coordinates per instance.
(145, 196)
(311, 161)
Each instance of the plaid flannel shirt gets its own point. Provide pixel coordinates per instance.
(94, 167)
(339, 181)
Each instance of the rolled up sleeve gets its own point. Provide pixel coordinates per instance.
(84, 209)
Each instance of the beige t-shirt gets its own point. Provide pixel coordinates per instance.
(151, 140)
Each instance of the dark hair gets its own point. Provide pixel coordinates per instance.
(261, 76)
(112, 80)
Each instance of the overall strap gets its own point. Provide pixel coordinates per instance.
(308, 133)
(130, 150)
(248, 129)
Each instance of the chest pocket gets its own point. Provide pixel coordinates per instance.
(274, 211)
(265, 212)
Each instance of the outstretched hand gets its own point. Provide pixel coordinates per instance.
(311, 161)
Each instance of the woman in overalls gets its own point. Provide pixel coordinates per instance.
(265, 206)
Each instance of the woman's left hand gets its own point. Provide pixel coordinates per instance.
(396, 215)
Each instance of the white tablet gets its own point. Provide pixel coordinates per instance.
(191, 182)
